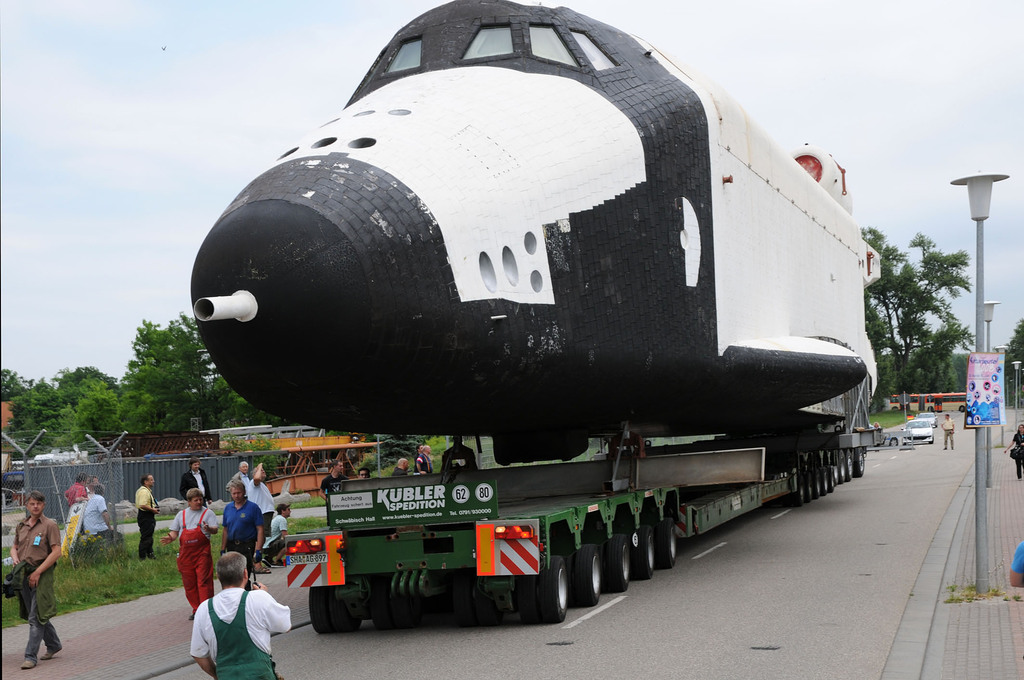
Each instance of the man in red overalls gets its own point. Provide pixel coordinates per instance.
(195, 524)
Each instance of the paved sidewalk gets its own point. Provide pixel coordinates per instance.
(982, 640)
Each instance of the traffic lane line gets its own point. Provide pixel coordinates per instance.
(594, 612)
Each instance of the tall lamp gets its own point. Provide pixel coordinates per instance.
(1016, 384)
(979, 192)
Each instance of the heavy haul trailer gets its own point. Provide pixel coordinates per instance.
(536, 539)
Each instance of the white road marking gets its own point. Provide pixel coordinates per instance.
(780, 514)
(874, 466)
(595, 612)
(697, 557)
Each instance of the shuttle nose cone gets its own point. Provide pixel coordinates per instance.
(308, 280)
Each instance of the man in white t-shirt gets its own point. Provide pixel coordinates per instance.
(238, 647)
(275, 546)
(96, 518)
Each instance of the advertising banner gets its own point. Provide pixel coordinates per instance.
(419, 504)
(985, 393)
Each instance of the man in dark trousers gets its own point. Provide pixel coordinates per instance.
(147, 508)
(195, 478)
(35, 551)
(243, 527)
(231, 635)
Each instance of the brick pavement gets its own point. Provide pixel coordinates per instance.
(985, 639)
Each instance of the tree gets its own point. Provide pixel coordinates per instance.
(901, 309)
(169, 380)
(13, 385)
(97, 410)
(1015, 352)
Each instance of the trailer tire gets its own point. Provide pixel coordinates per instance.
(858, 463)
(341, 617)
(380, 603)
(642, 553)
(616, 564)
(665, 544)
(813, 481)
(406, 611)
(487, 612)
(794, 499)
(553, 591)
(805, 487)
(586, 576)
(526, 599)
(848, 458)
(463, 586)
(830, 479)
(319, 611)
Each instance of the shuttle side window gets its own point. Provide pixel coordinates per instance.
(546, 44)
(408, 56)
(490, 41)
(598, 58)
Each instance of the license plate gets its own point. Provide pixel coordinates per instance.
(314, 558)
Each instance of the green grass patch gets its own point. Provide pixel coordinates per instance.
(969, 593)
(888, 418)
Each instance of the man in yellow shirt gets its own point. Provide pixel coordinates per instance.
(147, 507)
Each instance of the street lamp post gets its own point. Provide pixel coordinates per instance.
(979, 192)
(990, 309)
(1016, 384)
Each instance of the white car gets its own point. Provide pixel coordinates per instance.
(919, 431)
(930, 416)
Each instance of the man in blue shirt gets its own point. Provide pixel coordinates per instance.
(243, 527)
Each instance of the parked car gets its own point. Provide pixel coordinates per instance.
(929, 416)
(919, 431)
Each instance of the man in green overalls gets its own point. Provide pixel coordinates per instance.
(231, 633)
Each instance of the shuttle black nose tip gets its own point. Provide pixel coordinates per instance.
(311, 289)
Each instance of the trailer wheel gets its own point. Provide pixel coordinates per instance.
(642, 553)
(813, 482)
(406, 611)
(380, 603)
(463, 586)
(319, 611)
(526, 599)
(794, 499)
(487, 612)
(665, 544)
(341, 617)
(805, 487)
(586, 576)
(830, 478)
(616, 564)
(858, 463)
(553, 591)
(847, 474)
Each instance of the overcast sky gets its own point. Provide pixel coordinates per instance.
(127, 127)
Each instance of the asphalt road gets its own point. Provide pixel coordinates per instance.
(812, 592)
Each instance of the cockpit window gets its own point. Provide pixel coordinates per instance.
(547, 45)
(490, 41)
(408, 56)
(598, 58)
